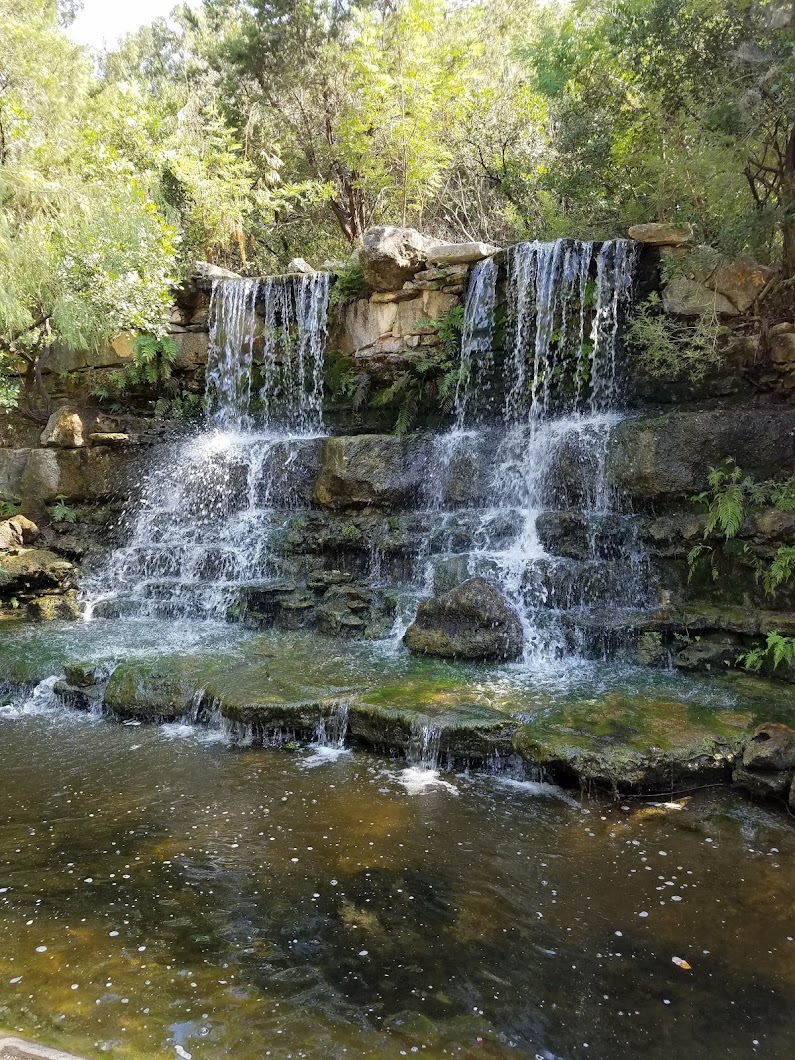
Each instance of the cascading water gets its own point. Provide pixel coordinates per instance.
(540, 417)
(208, 511)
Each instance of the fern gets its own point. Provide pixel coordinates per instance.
(781, 569)
(61, 512)
(777, 648)
(9, 508)
(349, 284)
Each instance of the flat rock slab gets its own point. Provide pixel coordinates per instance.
(18, 1049)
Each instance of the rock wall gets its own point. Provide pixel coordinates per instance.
(361, 487)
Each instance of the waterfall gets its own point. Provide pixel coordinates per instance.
(204, 528)
(539, 413)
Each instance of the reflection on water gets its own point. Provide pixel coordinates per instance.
(158, 892)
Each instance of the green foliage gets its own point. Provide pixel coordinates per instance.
(9, 507)
(180, 406)
(61, 512)
(427, 378)
(349, 284)
(731, 493)
(778, 649)
(152, 364)
(669, 348)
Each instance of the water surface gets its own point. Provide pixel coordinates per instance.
(158, 889)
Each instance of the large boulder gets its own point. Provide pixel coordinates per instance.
(473, 621)
(390, 256)
(684, 297)
(149, 691)
(35, 569)
(771, 747)
(64, 429)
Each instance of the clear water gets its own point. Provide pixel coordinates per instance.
(158, 890)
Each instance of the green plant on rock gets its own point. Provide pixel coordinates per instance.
(61, 512)
(449, 326)
(9, 507)
(777, 649)
(425, 378)
(349, 284)
(731, 493)
(181, 406)
(668, 348)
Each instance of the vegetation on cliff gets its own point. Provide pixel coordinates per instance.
(249, 132)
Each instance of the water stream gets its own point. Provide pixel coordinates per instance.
(158, 892)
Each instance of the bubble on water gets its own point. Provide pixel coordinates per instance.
(643, 914)
(41, 949)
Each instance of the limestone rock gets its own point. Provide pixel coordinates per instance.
(54, 608)
(17, 532)
(689, 298)
(192, 349)
(390, 256)
(782, 350)
(473, 621)
(205, 270)
(658, 234)
(35, 569)
(109, 438)
(64, 429)
(771, 747)
(740, 282)
(148, 691)
(460, 253)
(303, 268)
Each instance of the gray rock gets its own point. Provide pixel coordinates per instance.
(772, 747)
(460, 253)
(363, 470)
(473, 621)
(303, 268)
(689, 298)
(764, 783)
(390, 256)
(205, 270)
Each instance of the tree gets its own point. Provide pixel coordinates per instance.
(84, 250)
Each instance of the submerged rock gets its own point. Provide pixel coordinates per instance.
(473, 621)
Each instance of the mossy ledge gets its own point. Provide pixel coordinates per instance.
(618, 742)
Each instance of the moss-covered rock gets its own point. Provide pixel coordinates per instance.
(628, 742)
(473, 621)
(151, 690)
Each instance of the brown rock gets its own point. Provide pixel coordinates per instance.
(473, 621)
(658, 234)
(771, 747)
(770, 784)
(17, 532)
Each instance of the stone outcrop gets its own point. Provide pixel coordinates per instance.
(390, 256)
(459, 253)
(658, 234)
(64, 429)
(772, 747)
(369, 471)
(473, 621)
